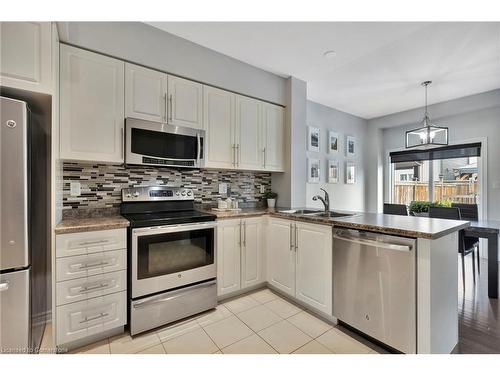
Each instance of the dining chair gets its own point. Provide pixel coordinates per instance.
(395, 209)
(453, 213)
(469, 211)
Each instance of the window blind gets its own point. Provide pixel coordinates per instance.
(446, 152)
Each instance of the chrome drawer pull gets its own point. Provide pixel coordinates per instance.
(101, 315)
(93, 265)
(92, 242)
(88, 288)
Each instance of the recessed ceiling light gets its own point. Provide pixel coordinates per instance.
(329, 54)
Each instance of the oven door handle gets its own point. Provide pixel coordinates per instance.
(198, 156)
(173, 228)
(172, 295)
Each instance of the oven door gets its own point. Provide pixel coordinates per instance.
(172, 256)
(159, 144)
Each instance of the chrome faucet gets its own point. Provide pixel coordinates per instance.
(325, 200)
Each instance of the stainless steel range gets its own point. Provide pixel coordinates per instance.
(172, 271)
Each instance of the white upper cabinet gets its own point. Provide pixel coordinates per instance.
(25, 55)
(92, 106)
(252, 252)
(281, 255)
(248, 133)
(228, 256)
(185, 99)
(218, 122)
(274, 137)
(314, 265)
(145, 93)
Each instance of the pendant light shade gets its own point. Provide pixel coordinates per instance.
(429, 134)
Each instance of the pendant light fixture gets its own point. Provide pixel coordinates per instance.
(429, 134)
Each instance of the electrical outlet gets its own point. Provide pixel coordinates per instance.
(223, 188)
(75, 189)
(262, 189)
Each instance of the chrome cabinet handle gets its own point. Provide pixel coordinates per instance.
(123, 143)
(238, 156)
(93, 265)
(291, 237)
(265, 156)
(239, 242)
(234, 155)
(296, 238)
(171, 107)
(89, 288)
(165, 106)
(92, 242)
(198, 143)
(245, 233)
(101, 315)
(4, 286)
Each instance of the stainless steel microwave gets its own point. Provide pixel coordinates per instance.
(163, 145)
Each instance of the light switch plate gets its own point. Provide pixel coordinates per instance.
(74, 189)
(222, 188)
(262, 189)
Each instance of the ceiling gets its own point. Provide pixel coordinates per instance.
(377, 67)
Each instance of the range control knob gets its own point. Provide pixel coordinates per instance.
(189, 193)
(177, 193)
(183, 193)
(136, 194)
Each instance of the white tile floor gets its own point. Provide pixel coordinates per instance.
(260, 322)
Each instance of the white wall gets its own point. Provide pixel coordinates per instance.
(473, 117)
(146, 45)
(342, 196)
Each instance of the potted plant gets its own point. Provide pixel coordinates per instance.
(271, 198)
(420, 208)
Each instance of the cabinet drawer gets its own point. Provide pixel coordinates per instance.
(90, 242)
(89, 265)
(89, 287)
(81, 319)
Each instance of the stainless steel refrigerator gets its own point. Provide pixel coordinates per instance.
(23, 228)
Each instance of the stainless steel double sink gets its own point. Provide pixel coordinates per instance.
(317, 213)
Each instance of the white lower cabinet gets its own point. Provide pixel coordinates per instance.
(313, 279)
(281, 255)
(90, 284)
(299, 261)
(240, 254)
(81, 319)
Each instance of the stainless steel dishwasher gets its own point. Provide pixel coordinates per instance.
(374, 286)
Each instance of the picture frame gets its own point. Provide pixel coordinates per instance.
(333, 171)
(313, 139)
(333, 142)
(350, 146)
(350, 172)
(313, 170)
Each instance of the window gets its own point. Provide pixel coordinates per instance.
(445, 173)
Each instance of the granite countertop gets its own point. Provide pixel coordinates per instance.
(244, 212)
(408, 226)
(91, 221)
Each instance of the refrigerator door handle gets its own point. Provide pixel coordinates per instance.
(4, 286)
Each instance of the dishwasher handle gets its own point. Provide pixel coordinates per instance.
(349, 237)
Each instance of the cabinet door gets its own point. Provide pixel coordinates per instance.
(248, 133)
(92, 106)
(25, 55)
(218, 119)
(252, 253)
(314, 266)
(228, 256)
(274, 137)
(145, 93)
(185, 102)
(281, 255)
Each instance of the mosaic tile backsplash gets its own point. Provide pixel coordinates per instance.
(101, 184)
